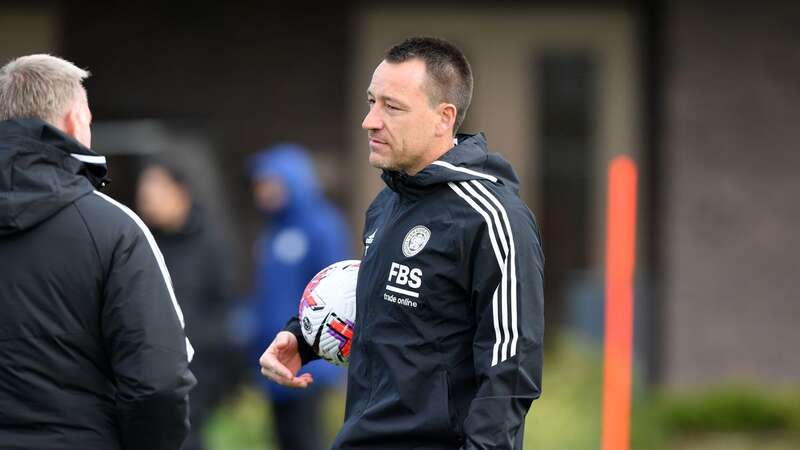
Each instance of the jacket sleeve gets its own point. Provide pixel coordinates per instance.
(143, 333)
(307, 353)
(507, 293)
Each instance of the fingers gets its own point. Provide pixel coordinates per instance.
(303, 381)
(273, 365)
(284, 344)
(281, 341)
(272, 368)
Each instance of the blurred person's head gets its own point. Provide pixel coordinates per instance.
(47, 88)
(162, 197)
(418, 98)
(283, 178)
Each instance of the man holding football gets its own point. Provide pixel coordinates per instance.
(447, 351)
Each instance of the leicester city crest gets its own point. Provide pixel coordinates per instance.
(415, 240)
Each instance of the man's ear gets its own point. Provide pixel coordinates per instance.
(447, 119)
(70, 123)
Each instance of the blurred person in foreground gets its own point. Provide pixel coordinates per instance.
(304, 233)
(447, 350)
(92, 348)
(195, 257)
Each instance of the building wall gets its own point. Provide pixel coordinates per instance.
(732, 176)
(27, 29)
(244, 75)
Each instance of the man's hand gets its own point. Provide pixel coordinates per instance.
(281, 361)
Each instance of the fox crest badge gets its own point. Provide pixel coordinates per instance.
(415, 240)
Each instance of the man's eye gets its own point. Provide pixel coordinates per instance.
(392, 107)
(370, 102)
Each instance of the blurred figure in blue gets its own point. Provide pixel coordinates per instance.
(196, 259)
(304, 233)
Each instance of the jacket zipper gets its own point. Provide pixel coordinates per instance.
(387, 227)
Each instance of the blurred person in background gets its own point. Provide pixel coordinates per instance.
(193, 252)
(303, 234)
(93, 353)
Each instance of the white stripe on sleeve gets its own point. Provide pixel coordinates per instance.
(506, 288)
(159, 259)
(512, 268)
(465, 170)
(505, 336)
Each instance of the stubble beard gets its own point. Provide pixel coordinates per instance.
(382, 163)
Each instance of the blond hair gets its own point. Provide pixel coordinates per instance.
(40, 86)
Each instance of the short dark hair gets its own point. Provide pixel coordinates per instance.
(449, 72)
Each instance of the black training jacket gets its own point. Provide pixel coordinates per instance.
(447, 351)
(92, 349)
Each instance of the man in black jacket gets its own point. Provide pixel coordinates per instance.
(447, 352)
(92, 348)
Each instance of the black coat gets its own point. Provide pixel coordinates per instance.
(447, 351)
(92, 348)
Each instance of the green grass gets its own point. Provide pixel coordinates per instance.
(731, 408)
(737, 441)
(567, 416)
(241, 424)
(244, 423)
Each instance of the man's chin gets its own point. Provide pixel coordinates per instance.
(378, 162)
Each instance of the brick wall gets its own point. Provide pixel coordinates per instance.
(731, 155)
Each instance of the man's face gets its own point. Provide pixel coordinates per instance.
(161, 201)
(401, 123)
(270, 194)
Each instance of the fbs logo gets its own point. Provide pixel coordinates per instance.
(415, 240)
(405, 276)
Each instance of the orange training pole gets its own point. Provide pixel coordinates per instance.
(620, 257)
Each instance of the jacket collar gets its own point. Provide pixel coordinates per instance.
(90, 164)
(468, 159)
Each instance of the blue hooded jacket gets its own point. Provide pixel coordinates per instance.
(303, 237)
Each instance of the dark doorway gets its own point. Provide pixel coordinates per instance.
(565, 90)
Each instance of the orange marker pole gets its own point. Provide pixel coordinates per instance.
(620, 259)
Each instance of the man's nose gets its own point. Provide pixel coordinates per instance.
(372, 121)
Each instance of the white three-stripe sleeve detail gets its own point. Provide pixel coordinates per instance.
(493, 211)
(159, 260)
(496, 326)
(465, 170)
(506, 289)
(501, 265)
(512, 268)
(477, 208)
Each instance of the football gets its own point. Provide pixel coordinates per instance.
(327, 311)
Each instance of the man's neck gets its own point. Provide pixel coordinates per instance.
(432, 156)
